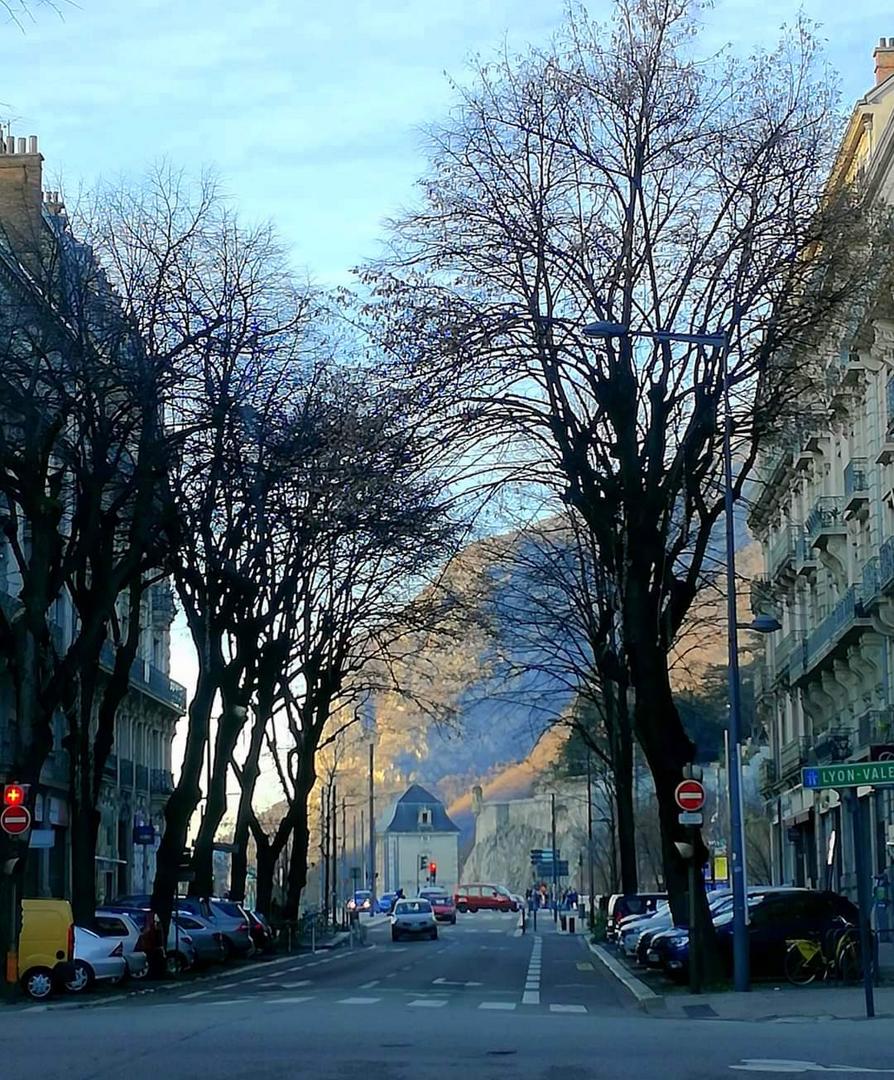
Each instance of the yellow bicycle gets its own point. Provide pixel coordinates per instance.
(837, 955)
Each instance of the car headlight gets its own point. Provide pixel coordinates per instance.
(680, 943)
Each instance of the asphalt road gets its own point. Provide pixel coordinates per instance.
(481, 1002)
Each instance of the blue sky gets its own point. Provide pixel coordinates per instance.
(311, 112)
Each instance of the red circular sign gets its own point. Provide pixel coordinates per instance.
(690, 795)
(15, 820)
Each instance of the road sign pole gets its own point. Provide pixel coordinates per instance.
(695, 982)
(861, 865)
(555, 862)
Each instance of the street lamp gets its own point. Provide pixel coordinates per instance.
(720, 343)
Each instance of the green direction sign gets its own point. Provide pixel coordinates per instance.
(863, 774)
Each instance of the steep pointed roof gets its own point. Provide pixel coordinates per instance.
(405, 818)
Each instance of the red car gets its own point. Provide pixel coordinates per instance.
(441, 904)
(484, 898)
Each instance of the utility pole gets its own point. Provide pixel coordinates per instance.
(334, 838)
(591, 882)
(555, 861)
(372, 823)
(362, 848)
(324, 849)
(343, 875)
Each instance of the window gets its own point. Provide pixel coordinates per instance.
(107, 926)
(425, 817)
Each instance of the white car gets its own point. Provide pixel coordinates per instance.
(413, 918)
(96, 958)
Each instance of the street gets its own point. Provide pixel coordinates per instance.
(481, 1002)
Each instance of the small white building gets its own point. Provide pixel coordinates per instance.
(419, 833)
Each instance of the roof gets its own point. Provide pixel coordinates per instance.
(405, 818)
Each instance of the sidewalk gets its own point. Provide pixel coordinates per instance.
(767, 1001)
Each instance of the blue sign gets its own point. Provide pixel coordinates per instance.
(144, 834)
(810, 778)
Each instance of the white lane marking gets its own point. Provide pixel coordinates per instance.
(194, 994)
(293, 985)
(447, 982)
(427, 1003)
(502, 1006)
(359, 1001)
(256, 978)
(784, 1065)
(568, 1008)
(393, 975)
(287, 1000)
(230, 1001)
(531, 997)
(371, 984)
(226, 986)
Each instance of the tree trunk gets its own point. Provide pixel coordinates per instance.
(617, 722)
(84, 830)
(184, 799)
(247, 781)
(297, 878)
(266, 862)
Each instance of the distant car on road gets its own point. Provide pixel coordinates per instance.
(413, 918)
(478, 897)
(385, 903)
(361, 901)
(441, 904)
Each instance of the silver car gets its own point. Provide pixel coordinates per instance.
(413, 918)
(120, 926)
(205, 938)
(95, 959)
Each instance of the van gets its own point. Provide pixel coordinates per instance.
(46, 946)
(620, 906)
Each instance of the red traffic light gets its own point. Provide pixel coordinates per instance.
(433, 867)
(13, 794)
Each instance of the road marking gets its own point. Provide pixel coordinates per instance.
(502, 1006)
(194, 994)
(370, 985)
(359, 1001)
(226, 986)
(447, 982)
(427, 1003)
(231, 1001)
(292, 985)
(287, 1001)
(393, 975)
(784, 1065)
(254, 978)
(568, 1008)
(531, 997)
(585, 967)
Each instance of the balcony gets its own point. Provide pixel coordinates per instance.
(766, 777)
(870, 588)
(125, 773)
(825, 520)
(782, 651)
(856, 486)
(843, 622)
(886, 565)
(142, 778)
(150, 679)
(805, 556)
(163, 607)
(782, 551)
(110, 769)
(762, 597)
(832, 744)
(161, 782)
(874, 728)
(791, 757)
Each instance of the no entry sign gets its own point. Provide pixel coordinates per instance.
(690, 795)
(15, 820)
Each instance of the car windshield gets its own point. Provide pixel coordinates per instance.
(228, 907)
(412, 907)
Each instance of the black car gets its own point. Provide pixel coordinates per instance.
(774, 917)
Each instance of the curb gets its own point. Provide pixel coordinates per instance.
(646, 998)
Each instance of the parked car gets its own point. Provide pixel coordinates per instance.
(122, 926)
(413, 918)
(774, 916)
(207, 940)
(632, 928)
(620, 906)
(151, 940)
(385, 903)
(46, 947)
(95, 959)
(261, 931)
(228, 917)
(441, 904)
(484, 898)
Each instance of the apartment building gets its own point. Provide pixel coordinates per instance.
(823, 510)
(137, 776)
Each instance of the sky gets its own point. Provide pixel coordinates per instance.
(311, 113)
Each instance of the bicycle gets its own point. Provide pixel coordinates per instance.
(837, 955)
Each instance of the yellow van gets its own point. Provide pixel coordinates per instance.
(46, 946)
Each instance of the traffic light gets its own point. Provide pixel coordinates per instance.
(13, 795)
(433, 872)
(423, 862)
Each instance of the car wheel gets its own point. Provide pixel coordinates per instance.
(462, 908)
(38, 983)
(83, 978)
(143, 973)
(472, 910)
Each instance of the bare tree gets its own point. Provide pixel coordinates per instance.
(622, 177)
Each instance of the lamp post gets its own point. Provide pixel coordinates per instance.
(719, 342)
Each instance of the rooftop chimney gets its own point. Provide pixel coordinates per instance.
(884, 60)
(21, 193)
